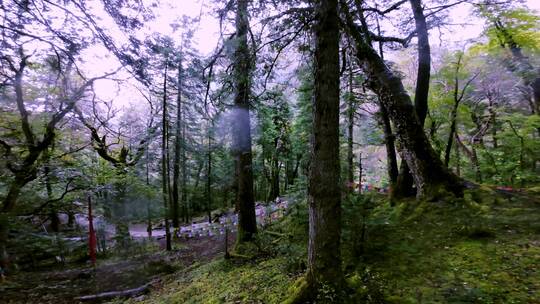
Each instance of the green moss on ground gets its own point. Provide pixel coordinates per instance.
(484, 248)
(224, 281)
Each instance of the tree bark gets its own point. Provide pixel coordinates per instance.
(427, 169)
(175, 212)
(148, 210)
(389, 141)
(424, 62)
(458, 159)
(209, 174)
(324, 194)
(405, 181)
(451, 134)
(296, 167)
(458, 97)
(360, 172)
(471, 154)
(164, 163)
(4, 231)
(185, 202)
(350, 129)
(389, 138)
(247, 225)
(53, 213)
(9, 202)
(476, 163)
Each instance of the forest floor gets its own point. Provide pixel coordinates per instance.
(142, 264)
(484, 248)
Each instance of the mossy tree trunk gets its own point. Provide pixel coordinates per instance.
(247, 225)
(427, 169)
(389, 138)
(324, 193)
(404, 185)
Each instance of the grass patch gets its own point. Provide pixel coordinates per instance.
(223, 281)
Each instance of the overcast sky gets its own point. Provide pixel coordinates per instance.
(207, 35)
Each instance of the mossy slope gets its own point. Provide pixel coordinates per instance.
(484, 248)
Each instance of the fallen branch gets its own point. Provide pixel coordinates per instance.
(118, 294)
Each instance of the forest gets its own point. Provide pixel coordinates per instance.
(270, 151)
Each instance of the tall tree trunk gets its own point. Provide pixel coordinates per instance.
(177, 147)
(209, 175)
(389, 138)
(404, 187)
(71, 219)
(148, 202)
(9, 202)
(185, 204)
(451, 134)
(404, 182)
(351, 109)
(4, 231)
(164, 164)
(476, 164)
(535, 85)
(458, 159)
(521, 149)
(274, 180)
(234, 185)
(360, 172)
(288, 173)
(324, 195)
(296, 167)
(471, 154)
(389, 141)
(424, 62)
(458, 97)
(427, 169)
(53, 213)
(200, 167)
(247, 225)
(122, 235)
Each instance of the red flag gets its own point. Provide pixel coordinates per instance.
(92, 242)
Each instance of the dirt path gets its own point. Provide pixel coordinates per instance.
(198, 242)
(63, 285)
